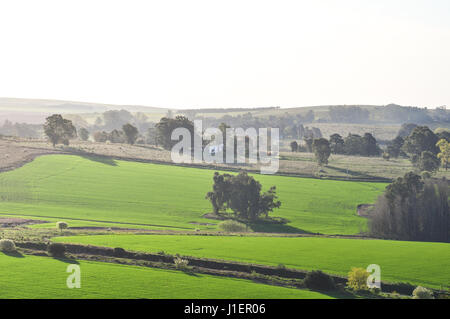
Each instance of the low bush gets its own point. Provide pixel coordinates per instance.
(233, 226)
(318, 280)
(357, 279)
(56, 249)
(422, 293)
(7, 245)
(181, 263)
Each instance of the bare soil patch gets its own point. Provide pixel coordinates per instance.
(13, 222)
(14, 155)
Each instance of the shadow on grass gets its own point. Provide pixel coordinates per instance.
(100, 159)
(16, 254)
(190, 273)
(67, 260)
(92, 157)
(355, 173)
(271, 227)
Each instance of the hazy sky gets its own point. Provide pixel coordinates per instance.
(227, 53)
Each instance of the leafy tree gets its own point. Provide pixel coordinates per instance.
(353, 144)
(84, 134)
(394, 148)
(322, 150)
(336, 144)
(357, 279)
(420, 140)
(131, 133)
(294, 146)
(427, 161)
(443, 135)
(59, 130)
(166, 126)
(242, 194)
(370, 146)
(444, 154)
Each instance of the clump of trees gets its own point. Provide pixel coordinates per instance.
(413, 208)
(129, 134)
(353, 144)
(59, 130)
(426, 149)
(242, 195)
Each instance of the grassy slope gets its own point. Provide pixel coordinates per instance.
(414, 262)
(42, 277)
(62, 186)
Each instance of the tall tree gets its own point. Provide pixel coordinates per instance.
(420, 140)
(131, 133)
(166, 126)
(59, 130)
(294, 146)
(370, 146)
(83, 133)
(394, 148)
(336, 144)
(427, 161)
(322, 150)
(444, 154)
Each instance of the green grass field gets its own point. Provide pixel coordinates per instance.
(42, 277)
(415, 262)
(163, 196)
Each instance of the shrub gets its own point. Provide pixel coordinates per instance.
(422, 293)
(232, 226)
(7, 245)
(318, 280)
(357, 279)
(56, 249)
(181, 263)
(61, 225)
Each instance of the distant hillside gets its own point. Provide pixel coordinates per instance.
(59, 106)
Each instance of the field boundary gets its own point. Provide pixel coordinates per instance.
(226, 168)
(214, 264)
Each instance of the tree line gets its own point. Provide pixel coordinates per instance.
(413, 208)
(60, 131)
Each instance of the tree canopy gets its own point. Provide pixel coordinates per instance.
(59, 130)
(242, 194)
